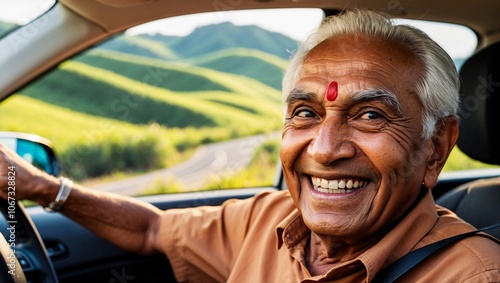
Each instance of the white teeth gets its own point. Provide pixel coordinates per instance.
(333, 185)
(336, 186)
(324, 183)
(341, 184)
(349, 184)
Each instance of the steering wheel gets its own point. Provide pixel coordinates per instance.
(23, 250)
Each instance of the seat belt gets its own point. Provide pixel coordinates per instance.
(397, 269)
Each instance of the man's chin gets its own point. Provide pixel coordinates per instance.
(331, 225)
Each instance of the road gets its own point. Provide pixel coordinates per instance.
(207, 164)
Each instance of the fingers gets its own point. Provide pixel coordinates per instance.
(28, 180)
(7, 156)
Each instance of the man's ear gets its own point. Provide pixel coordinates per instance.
(444, 139)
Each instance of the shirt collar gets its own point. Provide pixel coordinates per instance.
(397, 243)
(291, 230)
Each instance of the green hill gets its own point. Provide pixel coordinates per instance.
(117, 97)
(141, 46)
(263, 67)
(111, 96)
(217, 37)
(182, 77)
(228, 88)
(153, 72)
(90, 146)
(66, 127)
(63, 126)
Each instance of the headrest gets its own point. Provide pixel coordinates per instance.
(480, 114)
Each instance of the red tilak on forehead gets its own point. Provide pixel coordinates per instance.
(332, 91)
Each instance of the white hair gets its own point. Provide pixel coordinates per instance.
(439, 84)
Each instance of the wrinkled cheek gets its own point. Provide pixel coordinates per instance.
(292, 182)
(288, 158)
(400, 156)
(290, 150)
(407, 168)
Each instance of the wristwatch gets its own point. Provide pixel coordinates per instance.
(62, 195)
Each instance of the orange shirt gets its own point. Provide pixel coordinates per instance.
(262, 239)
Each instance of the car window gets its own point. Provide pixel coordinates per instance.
(20, 12)
(181, 104)
(188, 103)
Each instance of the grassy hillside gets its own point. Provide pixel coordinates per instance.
(187, 78)
(90, 146)
(66, 127)
(155, 72)
(55, 123)
(111, 96)
(263, 67)
(138, 45)
(217, 37)
(117, 97)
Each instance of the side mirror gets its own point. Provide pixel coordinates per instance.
(34, 149)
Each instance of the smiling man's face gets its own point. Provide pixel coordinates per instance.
(356, 163)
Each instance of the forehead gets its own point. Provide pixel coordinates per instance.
(363, 48)
(357, 63)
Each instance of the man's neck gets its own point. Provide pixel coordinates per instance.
(324, 253)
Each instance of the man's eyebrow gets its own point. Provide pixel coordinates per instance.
(298, 94)
(383, 95)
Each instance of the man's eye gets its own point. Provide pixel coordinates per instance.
(304, 113)
(371, 115)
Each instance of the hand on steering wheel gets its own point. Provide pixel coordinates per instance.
(22, 239)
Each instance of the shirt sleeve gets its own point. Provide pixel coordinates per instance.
(202, 243)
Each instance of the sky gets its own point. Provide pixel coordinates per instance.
(295, 23)
(457, 41)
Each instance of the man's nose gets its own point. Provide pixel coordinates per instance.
(332, 142)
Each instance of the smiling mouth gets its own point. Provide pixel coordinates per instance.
(339, 186)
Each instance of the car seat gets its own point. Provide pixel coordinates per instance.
(478, 202)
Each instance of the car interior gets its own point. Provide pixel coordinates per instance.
(70, 27)
(476, 201)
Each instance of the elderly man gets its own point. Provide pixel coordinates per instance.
(370, 120)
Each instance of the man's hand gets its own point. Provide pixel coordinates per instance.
(124, 221)
(30, 182)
